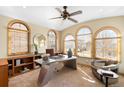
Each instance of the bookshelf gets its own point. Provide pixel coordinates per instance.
(21, 64)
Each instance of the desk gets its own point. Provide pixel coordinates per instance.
(102, 72)
(69, 62)
(48, 68)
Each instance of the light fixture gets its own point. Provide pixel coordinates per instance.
(24, 6)
(101, 10)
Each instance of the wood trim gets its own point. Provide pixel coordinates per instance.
(28, 56)
(84, 57)
(84, 34)
(3, 72)
(107, 38)
(19, 53)
(117, 31)
(29, 34)
(13, 70)
(18, 21)
(52, 30)
(76, 41)
(3, 61)
(18, 29)
(100, 58)
(110, 28)
(68, 40)
(84, 26)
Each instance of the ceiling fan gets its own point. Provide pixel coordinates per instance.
(66, 15)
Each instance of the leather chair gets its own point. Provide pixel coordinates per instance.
(50, 51)
(98, 64)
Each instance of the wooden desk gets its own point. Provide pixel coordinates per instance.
(48, 68)
(3, 73)
(69, 62)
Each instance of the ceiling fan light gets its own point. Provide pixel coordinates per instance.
(65, 15)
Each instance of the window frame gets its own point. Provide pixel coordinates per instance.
(68, 40)
(91, 46)
(55, 38)
(117, 31)
(9, 27)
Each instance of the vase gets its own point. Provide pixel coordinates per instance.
(69, 53)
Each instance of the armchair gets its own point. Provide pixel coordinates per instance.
(103, 64)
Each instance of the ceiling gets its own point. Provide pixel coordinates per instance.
(40, 15)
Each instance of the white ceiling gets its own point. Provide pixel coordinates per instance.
(40, 14)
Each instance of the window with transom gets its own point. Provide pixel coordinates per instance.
(18, 38)
(52, 40)
(69, 43)
(84, 42)
(107, 44)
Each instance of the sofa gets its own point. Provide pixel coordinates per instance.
(106, 65)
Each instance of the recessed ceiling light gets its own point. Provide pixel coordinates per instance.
(24, 6)
(100, 10)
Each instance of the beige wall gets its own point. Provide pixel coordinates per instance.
(117, 22)
(34, 29)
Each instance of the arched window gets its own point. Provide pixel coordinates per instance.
(69, 42)
(39, 41)
(18, 38)
(84, 42)
(107, 44)
(52, 40)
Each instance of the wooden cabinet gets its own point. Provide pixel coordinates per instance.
(21, 64)
(3, 73)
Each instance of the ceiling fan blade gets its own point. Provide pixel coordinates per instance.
(59, 10)
(56, 17)
(73, 20)
(76, 13)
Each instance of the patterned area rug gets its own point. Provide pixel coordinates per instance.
(66, 77)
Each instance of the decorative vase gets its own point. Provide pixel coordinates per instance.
(69, 53)
(45, 57)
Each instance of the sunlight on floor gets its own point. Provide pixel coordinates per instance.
(87, 77)
(92, 81)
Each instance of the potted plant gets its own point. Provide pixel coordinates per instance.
(36, 50)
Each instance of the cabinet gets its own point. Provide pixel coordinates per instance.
(21, 64)
(3, 73)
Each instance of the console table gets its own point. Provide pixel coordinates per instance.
(49, 67)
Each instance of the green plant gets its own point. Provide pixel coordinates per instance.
(35, 46)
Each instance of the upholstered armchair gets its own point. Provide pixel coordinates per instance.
(107, 65)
